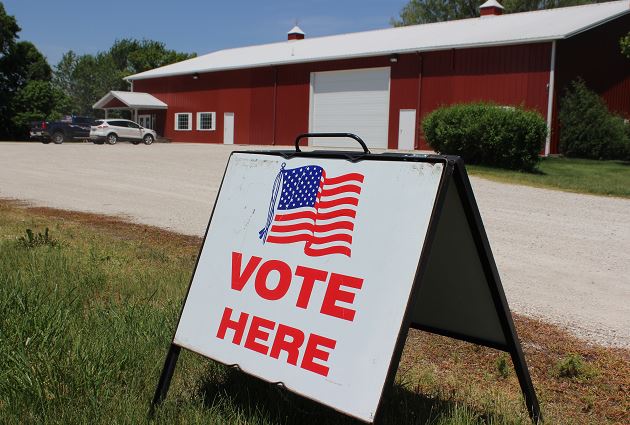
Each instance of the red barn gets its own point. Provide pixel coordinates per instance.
(379, 84)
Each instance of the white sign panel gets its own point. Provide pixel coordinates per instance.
(306, 271)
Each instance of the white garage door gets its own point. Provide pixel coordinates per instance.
(355, 101)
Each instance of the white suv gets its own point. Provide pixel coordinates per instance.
(115, 129)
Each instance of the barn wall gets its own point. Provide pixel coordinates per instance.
(271, 104)
(508, 75)
(595, 57)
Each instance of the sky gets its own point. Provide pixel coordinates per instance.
(57, 26)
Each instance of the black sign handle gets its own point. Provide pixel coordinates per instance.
(349, 135)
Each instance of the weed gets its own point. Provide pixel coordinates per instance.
(503, 366)
(33, 240)
(574, 366)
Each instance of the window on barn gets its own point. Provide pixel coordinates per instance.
(206, 121)
(183, 121)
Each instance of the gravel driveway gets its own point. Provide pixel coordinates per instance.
(562, 257)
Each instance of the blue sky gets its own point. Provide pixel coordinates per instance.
(56, 26)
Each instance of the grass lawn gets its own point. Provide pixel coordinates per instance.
(87, 316)
(573, 175)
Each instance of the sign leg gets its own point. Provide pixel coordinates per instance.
(165, 377)
(525, 381)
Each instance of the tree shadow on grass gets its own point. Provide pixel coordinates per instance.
(230, 391)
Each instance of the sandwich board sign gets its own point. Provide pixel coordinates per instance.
(315, 265)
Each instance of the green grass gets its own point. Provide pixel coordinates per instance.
(85, 325)
(88, 312)
(611, 178)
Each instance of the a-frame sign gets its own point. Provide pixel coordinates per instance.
(315, 265)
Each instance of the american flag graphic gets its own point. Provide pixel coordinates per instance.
(313, 208)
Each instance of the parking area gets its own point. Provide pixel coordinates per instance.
(562, 257)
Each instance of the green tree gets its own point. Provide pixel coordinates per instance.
(624, 43)
(37, 101)
(133, 56)
(8, 31)
(515, 6)
(86, 78)
(20, 64)
(427, 11)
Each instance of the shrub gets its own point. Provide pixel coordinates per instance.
(588, 129)
(575, 367)
(488, 134)
(503, 365)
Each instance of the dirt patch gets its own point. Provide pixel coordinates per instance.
(475, 374)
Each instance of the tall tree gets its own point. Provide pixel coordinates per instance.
(8, 31)
(22, 66)
(514, 6)
(37, 101)
(146, 54)
(86, 78)
(427, 11)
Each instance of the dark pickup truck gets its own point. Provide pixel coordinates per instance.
(69, 128)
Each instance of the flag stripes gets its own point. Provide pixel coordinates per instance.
(325, 222)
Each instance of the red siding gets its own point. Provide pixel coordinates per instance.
(508, 75)
(404, 93)
(213, 92)
(271, 104)
(115, 103)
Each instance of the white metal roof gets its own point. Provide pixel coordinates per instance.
(296, 30)
(491, 3)
(134, 100)
(514, 28)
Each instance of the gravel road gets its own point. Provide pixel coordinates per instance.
(562, 257)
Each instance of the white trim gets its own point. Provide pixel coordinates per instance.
(131, 100)
(225, 127)
(214, 121)
(309, 142)
(177, 114)
(413, 129)
(550, 96)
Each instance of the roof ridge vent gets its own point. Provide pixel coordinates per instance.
(295, 33)
(491, 8)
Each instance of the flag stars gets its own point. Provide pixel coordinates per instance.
(300, 187)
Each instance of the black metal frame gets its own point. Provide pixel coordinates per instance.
(455, 171)
(512, 345)
(347, 135)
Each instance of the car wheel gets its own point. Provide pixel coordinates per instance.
(58, 138)
(112, 138)
(147, 139)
